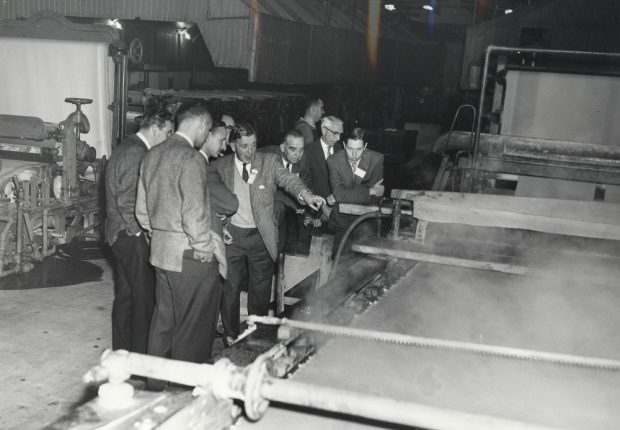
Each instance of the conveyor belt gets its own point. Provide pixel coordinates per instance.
(488, 308)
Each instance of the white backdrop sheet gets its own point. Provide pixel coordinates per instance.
(37, 75)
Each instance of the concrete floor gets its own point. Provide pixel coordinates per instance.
(50, 337)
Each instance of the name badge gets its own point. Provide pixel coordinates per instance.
(359, 172)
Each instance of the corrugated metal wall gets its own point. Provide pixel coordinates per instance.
(287, 51)
(165, 10)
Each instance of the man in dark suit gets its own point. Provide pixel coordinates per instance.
(223, 202)
(290, 153)
(317, 154)
(173, 205)
(356, 176)
(306, 125)
(134, 286)
(254, 177)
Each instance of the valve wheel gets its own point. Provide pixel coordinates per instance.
(136, 51)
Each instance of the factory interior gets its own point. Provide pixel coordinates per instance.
(475, 286)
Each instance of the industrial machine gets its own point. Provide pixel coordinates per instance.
(473, 311)
(50, 200)
(53, 147)
(547, 127)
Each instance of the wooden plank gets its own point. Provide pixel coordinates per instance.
(577, 218)
(599, 273)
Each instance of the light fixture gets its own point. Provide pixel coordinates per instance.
(184, 32)
(427, 7)
(390, 6)
(115, 23)
(508, 11)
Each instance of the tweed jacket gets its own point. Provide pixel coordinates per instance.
(350, 188)
(121, 183)
(173, 203)
(300, 169)
(271, 175)
(315, 159)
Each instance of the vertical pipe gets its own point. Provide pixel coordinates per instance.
(483, 87)
(123, 98)
(396, 211)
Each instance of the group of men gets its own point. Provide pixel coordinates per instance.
(190, 228)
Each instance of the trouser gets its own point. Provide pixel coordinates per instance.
(249, 263)
(134, 293)
(185, 317)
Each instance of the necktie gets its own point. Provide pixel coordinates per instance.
(330, 151)
(245, 175)
(288, 166)
(353, 166)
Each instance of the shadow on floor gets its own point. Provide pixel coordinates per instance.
(58, 270)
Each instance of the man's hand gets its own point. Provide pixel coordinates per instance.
(312, 200)
(331, 200)
(326, 211)
(378, 189)
(203, 257)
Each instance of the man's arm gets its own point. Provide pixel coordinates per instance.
(353, 193)
(142, 213)
(128, 172)
(295, 186)
(196, 205)
(223, 201)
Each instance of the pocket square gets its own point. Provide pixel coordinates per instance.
(261, 187)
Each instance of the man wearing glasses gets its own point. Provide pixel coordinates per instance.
(317, 154)
(254, 177)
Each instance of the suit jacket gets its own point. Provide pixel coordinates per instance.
(300, 169)
(271, 175)
(173, 203)
(350, 188)
(223, 202)
(310, 133)
(121, 183)
(319, 176)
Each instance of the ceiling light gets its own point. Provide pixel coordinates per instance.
(427, 7)
(508, 11)
(390, 6)
(115, 23)
(183, 32)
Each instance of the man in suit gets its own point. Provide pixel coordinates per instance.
(223, 202)
(317, 154)
(134, 286)
(306, 125)
(254, 177)
(290, 153)
(356, 176)
(173, 206)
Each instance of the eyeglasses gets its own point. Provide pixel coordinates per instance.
(335, 133)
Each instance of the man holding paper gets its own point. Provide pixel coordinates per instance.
(355, 176)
